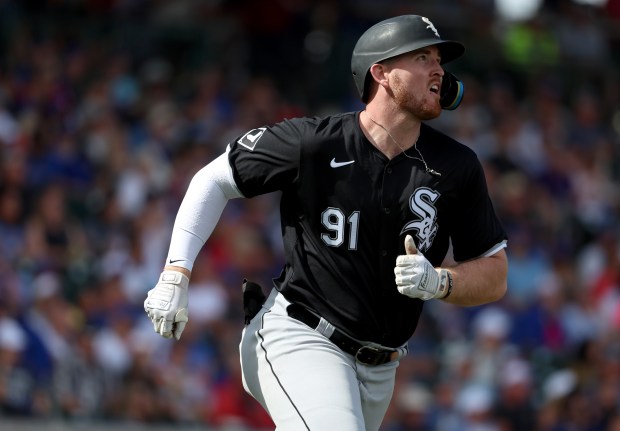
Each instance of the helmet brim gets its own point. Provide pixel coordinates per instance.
(450, 49)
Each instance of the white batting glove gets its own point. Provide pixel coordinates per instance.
(166, 304)
(417, 278)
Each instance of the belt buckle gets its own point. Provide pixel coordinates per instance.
(370, 355)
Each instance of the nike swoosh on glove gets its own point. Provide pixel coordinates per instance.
(166, 304)
(416, 277)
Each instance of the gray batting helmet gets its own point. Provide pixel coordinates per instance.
(396, 36)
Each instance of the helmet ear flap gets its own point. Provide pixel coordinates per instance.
(451, 93)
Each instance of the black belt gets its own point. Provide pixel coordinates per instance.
(368, 355)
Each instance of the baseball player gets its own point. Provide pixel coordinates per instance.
(370, 202)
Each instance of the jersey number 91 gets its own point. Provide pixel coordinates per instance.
(336, 222)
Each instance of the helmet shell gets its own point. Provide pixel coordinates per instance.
(396, 36)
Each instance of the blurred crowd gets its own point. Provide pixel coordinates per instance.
(107, 109)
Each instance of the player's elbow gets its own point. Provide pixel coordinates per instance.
(500, 287)
(499, 292)
(498, 276)
(493, 291)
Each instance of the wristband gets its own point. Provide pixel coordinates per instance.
(445, 283)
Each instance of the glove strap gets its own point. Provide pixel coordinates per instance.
(173, 277)
(445, 283)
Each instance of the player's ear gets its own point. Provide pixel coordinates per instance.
(377, 76)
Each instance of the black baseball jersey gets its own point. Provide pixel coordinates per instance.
(346, 209)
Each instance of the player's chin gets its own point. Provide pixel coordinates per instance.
(430, 112)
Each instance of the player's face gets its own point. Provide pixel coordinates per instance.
(415, 81)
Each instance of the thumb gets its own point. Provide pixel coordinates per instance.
(410, 247)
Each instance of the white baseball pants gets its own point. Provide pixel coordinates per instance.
(304, 381)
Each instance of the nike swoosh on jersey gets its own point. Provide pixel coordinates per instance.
(335, 164)
(176, 260)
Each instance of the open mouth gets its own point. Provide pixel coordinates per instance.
(434, 88)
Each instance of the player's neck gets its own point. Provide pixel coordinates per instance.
(391, 135)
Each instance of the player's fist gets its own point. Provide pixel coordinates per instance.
(166, 304)
(416, 277)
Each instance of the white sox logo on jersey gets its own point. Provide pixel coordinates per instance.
(421, 203)
(250, 139)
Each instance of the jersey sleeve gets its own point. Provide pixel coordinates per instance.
(266, 159)
(477, 230)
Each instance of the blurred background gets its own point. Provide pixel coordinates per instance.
(107, 109)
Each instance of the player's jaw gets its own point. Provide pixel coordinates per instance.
(422, 104)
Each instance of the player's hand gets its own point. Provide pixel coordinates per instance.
(416, 277)
(166, 304)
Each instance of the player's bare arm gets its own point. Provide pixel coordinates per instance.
(474, 282)
(479, 281)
